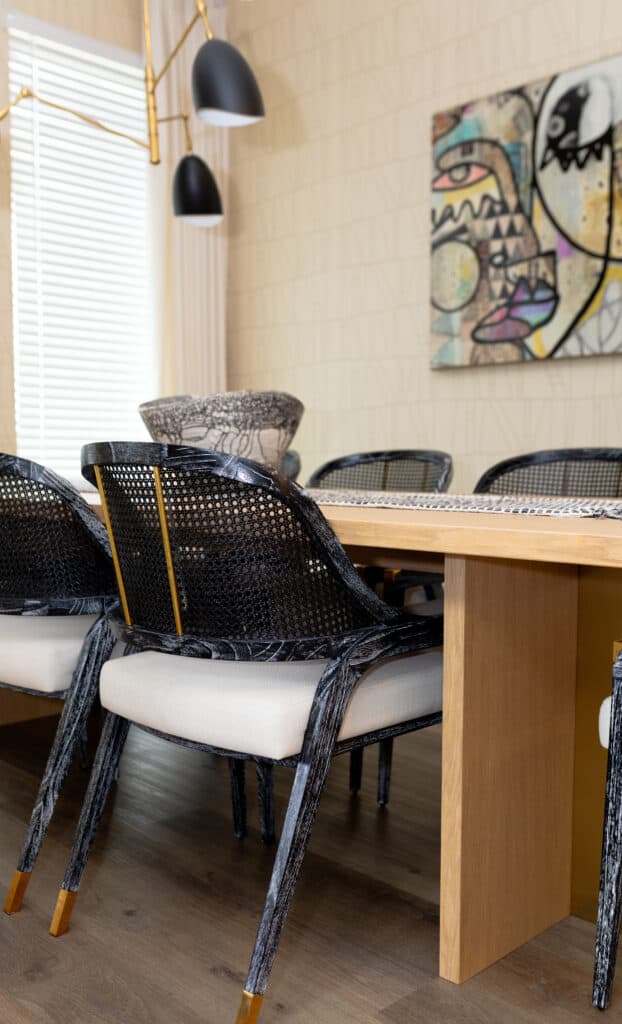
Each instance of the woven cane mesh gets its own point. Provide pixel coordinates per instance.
(256, 573)
(133, 509)
(588, 478)
(45, 551)
(406, 473)
(245, 566)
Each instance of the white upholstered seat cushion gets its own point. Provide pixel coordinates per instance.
(604, 722)
(39, 652)
(261, 708)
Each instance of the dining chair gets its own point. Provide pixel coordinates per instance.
(253, 424)
(397, 470)
(563, 472)
(253, 630)
(56, 585)
(418, 470)
(610, 895)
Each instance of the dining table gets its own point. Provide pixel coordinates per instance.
(533, 611)
(532, 608)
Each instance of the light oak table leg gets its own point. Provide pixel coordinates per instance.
(508, 747)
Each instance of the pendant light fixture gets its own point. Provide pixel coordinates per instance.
(225, 93)
(224, 89)
(196, 198)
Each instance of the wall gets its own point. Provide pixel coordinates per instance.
(116, 22)
(329, 221)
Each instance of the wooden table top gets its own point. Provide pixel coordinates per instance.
(571, 540)
(490, 535)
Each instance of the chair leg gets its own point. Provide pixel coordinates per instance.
(329, 705)
(356, 769)
(301, 811)
(610, 897)
(77, 707)
(265, 791)
(109, 751)
(385, 760)
(238, 795)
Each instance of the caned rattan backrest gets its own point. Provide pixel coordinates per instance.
(212, 545)
(567, 472)
(53, 549)
(408, 470)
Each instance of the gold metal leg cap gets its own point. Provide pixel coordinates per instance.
(15, 895)
(250, 1008)
(62, 913)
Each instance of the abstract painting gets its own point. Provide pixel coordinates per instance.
(527, 222)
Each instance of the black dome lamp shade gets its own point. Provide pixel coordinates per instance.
(224, 89)
(196, 198)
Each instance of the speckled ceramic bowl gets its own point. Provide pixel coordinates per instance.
(257, 425)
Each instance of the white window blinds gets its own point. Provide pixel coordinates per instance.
(83, 344)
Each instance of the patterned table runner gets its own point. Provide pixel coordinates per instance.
(590, 508)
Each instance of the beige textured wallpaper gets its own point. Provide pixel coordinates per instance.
(329, 221)
(116, 22)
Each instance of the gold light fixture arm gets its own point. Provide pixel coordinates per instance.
(202, 12)
(171, 57)
(28, 94)
(186, 119)
(150, 84)
(23, 94)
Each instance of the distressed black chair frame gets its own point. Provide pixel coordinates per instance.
(19, 596)
(564, 472)
(610, 896)
(380, 632)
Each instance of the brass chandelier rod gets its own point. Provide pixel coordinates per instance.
(152, 110)
(169, 60)
(186, 119)
(171, 57)
(28, 94)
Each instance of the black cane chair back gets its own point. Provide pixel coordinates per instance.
(563, 472)
(408, 470)
(53, 549)
(212, 545)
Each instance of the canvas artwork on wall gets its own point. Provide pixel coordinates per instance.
(527, 222)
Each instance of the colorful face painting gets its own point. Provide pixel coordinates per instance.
(527, 222)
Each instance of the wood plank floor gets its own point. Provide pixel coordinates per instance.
(165, 921)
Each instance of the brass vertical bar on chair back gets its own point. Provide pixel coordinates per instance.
(168, 554)
(113, 546)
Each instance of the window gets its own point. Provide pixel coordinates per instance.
(83, 344)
